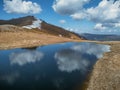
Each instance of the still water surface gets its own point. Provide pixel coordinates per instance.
(62, 66)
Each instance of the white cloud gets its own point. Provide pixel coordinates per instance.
(107, 12)
(68, 6)
(21, 7)
(25, 57)
(62, 21)
(79, 15)
(99, 26)
(117, 24)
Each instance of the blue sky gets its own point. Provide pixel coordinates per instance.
(81, 16)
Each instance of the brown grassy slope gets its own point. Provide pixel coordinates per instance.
(106, 72)
(27, 39)
(10, 28)
(13, 36)
(45, 27)
(54, 30)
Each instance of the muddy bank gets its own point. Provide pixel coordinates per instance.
(106, 72)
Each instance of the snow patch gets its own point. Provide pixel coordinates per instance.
(60, 35)
(35, 24)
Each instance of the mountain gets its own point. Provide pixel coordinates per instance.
(30, 22)
(100, 37)
(22, 21)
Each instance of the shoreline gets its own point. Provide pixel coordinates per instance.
(106, 72)
(9, 40)
(35, 44)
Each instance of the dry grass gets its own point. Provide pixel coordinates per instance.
(28, 39)
(106, 72)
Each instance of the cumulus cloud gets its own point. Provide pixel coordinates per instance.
(21, 7)
(62, 21)
(79, 15)
(117, 24)
(68, 6)
(106, 11)
(106, 14)
(80, 56)
(99, 26)
(24, 57)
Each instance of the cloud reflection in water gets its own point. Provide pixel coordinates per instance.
(24, 57)
(70, 60)
(92, 48)
(10, 78)
(80, 56)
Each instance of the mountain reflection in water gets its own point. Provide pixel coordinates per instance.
(56, 67)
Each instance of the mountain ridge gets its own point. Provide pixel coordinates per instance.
(44, 27)
(101, 37)
(22, 21)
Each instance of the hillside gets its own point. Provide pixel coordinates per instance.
(29, 31)
(22, 21)
(41, 26)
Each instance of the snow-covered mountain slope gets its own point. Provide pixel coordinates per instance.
(35, 24)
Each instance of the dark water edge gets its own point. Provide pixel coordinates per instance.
(62, 66)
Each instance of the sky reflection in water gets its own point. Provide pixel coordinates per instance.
(57, 67)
